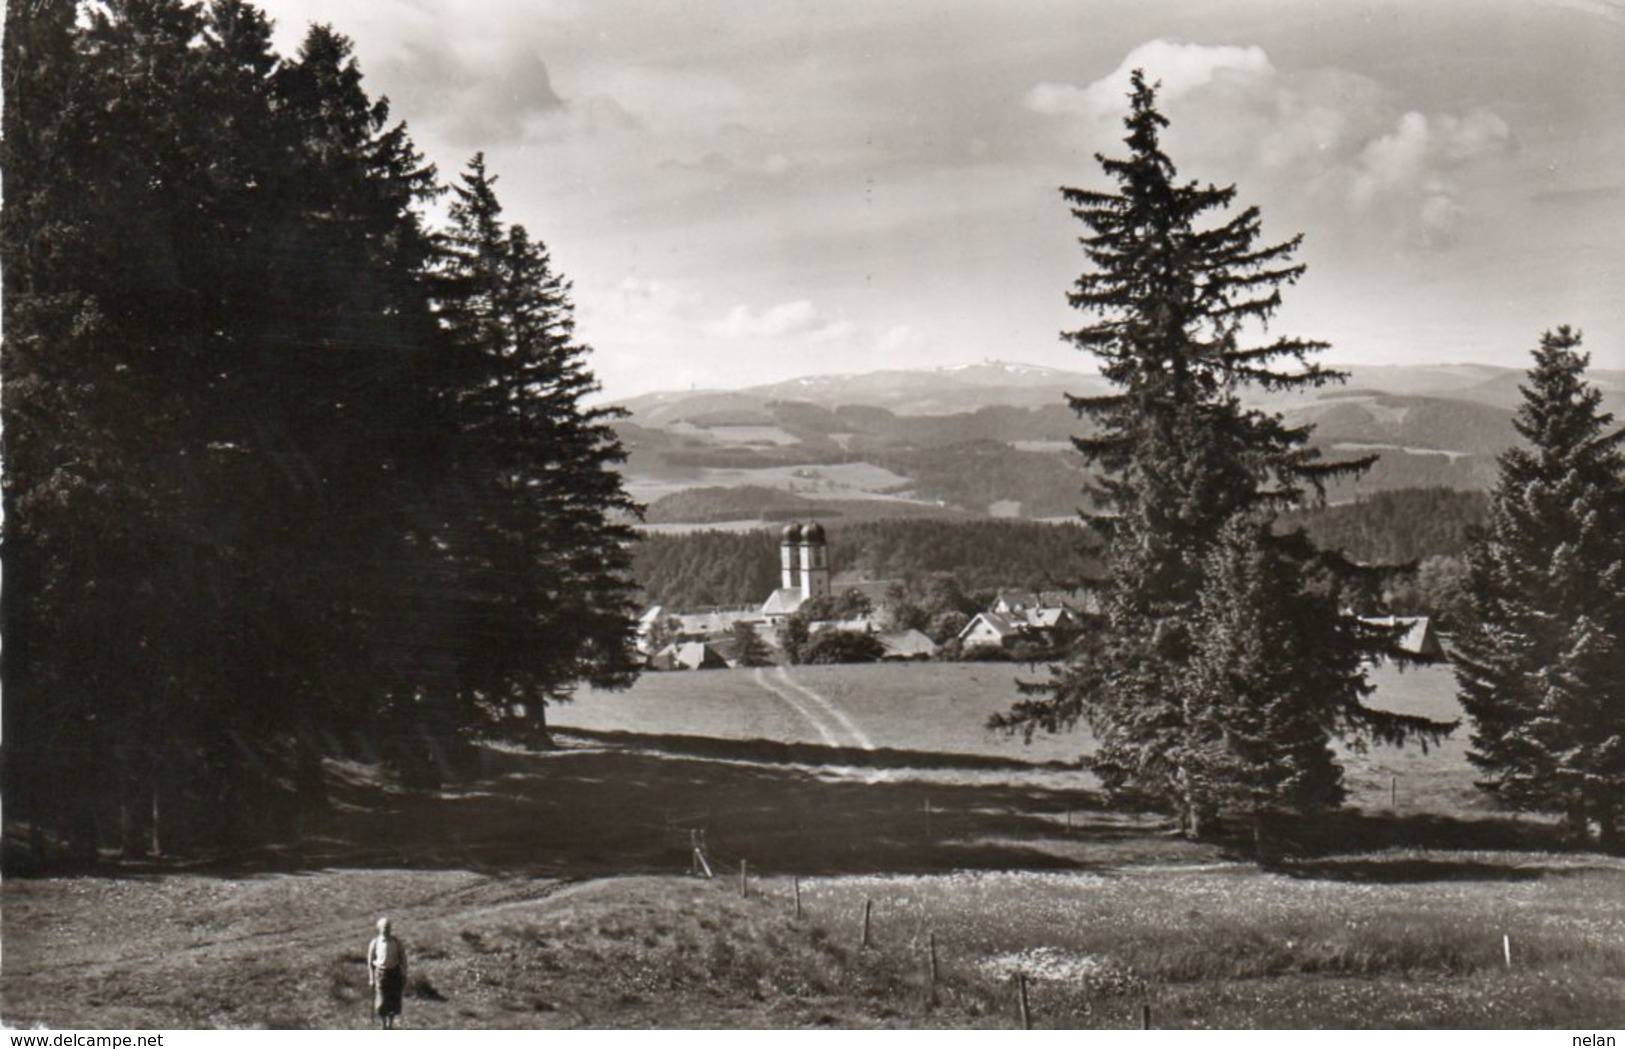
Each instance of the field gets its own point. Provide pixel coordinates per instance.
(915, 713)
(553, 890)
(937, 708)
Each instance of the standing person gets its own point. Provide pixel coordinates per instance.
(386, 974)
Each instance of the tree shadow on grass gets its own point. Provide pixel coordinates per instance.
(1350, 846)
(1412, 870)
(640, 806)
(589, 811)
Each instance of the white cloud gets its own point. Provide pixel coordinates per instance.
(797, 317)
(1180, 68)
(652, 301)
(1327, 142)
(485, 94)
(895, 338)
(740, 152)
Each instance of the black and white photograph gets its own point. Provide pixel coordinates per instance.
(813, 515)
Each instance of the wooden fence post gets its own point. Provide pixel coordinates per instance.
(867, 906)
(1145, 1016)
(743, 885)
(1506, 948)
(1021, 991)
(795, 885)
(931, 954)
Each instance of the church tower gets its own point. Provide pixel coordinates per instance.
(789, 557)
(814, 562)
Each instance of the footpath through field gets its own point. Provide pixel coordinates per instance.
(826, 718)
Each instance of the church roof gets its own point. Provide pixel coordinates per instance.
(782, 602)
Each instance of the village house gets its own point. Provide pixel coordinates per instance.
(688, 655)
(901, 645)
(1076, 602)
(1418, 638)
(1003, 629)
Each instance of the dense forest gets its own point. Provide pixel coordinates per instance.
(1395, 527)
(705, 568)
(711, 568)
(289, 472)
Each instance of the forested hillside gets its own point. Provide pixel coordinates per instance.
(737, 568)
(1395, 527)
(741, 568)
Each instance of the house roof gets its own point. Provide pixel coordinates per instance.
(1419, 637)
(1002, 625)
(694, 655)
(1014, 599)
(711, 622)
(906, 643)
(1046, 617)
(1018, 600)
(782, 602)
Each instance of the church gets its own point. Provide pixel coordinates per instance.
(803, 570)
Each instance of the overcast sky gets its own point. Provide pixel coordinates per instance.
(752, 190)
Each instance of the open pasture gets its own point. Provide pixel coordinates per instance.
(910, 712)
(1402, 940)
(926, 708)
(550, 890)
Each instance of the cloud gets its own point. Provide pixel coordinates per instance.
(649, 300)
(738, 151)
(488, 95)
(798, 318)
(1333, 144)
(1180, 68)
(895, 338)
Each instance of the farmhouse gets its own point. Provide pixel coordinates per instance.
(1076, 601)
(688, 655)
(991, 628)
(711, 623)
(907, 644)
(1003, 628)
(1419, 637)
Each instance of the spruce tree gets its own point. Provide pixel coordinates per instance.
(1175, 294)
(750, 649)
(538, 524)
(216, 323)
(1542, 657)
(1274, 673)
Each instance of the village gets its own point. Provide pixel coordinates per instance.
(1016, 625)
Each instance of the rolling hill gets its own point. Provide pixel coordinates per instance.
(993, 439)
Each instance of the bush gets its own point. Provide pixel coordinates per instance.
(842, 646)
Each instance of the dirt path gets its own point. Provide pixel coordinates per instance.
(818, 724)
(859, 737)
(833, 725)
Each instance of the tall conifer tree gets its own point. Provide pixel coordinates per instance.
(1175, 291)
(1542, 659)
(539, 524)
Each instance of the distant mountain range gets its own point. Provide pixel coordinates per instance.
(937, 391)
(993, 439)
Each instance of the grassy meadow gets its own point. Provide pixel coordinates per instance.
(553, 890)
